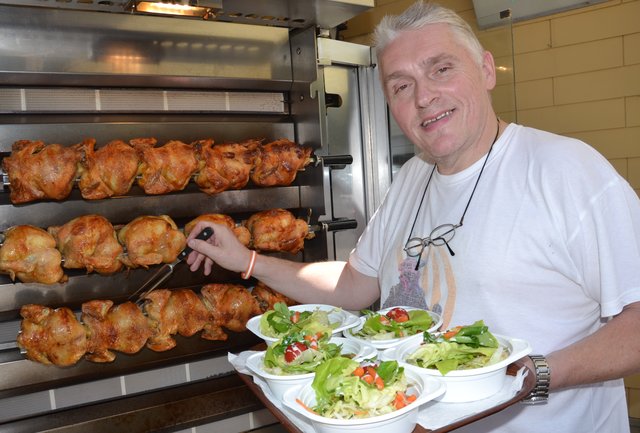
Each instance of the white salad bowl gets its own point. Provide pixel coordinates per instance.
(343, 318)
(464, 385)
(399, 421)
(278, 384)
(391, 342)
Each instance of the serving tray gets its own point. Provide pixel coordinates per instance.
(512, 369)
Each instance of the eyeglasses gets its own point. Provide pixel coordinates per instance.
(441, 235)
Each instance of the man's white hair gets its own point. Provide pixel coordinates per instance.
(419, 15)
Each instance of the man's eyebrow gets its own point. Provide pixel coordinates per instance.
(424, 64)
(434, 60)
(393, 76)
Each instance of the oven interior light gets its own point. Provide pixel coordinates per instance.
(175, 7)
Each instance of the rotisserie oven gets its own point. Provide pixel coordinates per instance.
(120, 128)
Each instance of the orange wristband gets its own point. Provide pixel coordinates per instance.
(252, 262)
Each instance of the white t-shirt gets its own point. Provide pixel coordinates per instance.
(549, 249)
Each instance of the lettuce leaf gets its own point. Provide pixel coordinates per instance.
(464, 347)
(373, 328)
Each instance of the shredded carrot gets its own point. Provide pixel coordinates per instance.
(359, 371)
(379, 382)
(452, 332)
(368, 378)
(399, 402)
(300, 402)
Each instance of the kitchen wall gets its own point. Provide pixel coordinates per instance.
(577, 73)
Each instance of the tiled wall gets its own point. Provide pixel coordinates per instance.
(577, 73)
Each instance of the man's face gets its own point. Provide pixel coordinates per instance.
(438, 94)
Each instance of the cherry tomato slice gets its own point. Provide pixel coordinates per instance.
(398, 314)
(293, 351)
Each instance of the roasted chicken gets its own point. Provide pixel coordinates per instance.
(231, 306)
(278, 230)
(224, 166)
(267, 297)
(107, 172)
(150, 240)
(173, 312)
(89, 242)
(37, 171)
(241, 232)
(54, 336)
(165, 168)
(278, 163)
(51, 336)
(123, 328)
(29, 254)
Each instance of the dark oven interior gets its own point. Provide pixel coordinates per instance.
(72, 74)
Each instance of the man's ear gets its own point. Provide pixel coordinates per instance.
(489, 70)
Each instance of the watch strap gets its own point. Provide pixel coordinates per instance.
(540, 392)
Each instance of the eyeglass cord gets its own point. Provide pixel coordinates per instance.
(424, 193)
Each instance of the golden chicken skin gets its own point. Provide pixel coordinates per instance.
(151, 240)
(278, 163)
(241, 232)
(123, 328)
(29, 254)
(166, 168)
(89, 242)
(231, 306)
(277, 230)
(37, 171)
(107, 172)
(51, 336)
(224, 166)
(268, 297)
(173, 312)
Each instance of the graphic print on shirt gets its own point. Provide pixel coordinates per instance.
(433, 281)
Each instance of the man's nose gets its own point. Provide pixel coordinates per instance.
(426, 93)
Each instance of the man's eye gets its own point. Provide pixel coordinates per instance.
(443, 69)
(399, 89)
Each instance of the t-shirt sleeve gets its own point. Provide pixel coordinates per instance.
(605, 240)
(369, 252)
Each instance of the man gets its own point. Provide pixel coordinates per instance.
(534, 233)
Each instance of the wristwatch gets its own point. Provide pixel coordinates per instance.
(540, 392)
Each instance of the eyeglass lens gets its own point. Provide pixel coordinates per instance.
(439, 236)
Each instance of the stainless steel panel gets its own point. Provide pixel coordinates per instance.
(325, 14)
(375, 123)
(345, 137)
(356, 126)
(307, 108)
(45, 46)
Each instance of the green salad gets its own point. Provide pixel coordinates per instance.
(346, 389)
(460, 348)
(396, 323)
(282, 321)
(299, 353)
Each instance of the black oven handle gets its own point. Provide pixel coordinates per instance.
(333, 161)
(334, 225)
